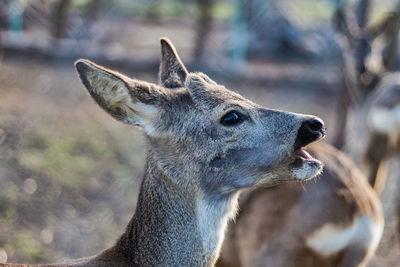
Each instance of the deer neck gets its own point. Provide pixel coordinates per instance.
(175, 225)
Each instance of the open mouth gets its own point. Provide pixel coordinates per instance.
(305, 156)
(305, 166)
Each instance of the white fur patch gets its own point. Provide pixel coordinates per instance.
(148, 115)
(385, 120)
(212, 218)
(330, 238)
(306, 171)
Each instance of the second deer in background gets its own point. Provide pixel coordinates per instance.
(371, 89)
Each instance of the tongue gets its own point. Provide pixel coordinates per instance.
(305, 154)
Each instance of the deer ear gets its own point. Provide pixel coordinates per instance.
(197, 88)
(131, 101)
(172, 72)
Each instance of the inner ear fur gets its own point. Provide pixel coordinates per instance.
(196, 86)
(128, 100)
(172, 73)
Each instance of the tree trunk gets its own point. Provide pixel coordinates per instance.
(60, 18)
(203, 27)
(362, 21)
(392, 32)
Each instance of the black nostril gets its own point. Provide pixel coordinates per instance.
(309, 131)
(315, 125)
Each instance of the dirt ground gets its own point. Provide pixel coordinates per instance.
(69, 174)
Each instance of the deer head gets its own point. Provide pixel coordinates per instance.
(202, 134)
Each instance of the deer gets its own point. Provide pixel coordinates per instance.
(372, 90)
(334, 220)
(205, 144)
(383, 121)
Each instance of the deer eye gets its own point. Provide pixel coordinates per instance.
(231, 118)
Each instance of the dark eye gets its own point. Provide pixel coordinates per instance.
(231, 118)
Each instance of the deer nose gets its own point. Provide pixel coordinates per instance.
(309, 131)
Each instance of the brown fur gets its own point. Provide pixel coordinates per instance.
(273, 224)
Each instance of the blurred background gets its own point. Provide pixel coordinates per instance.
(69, 174)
